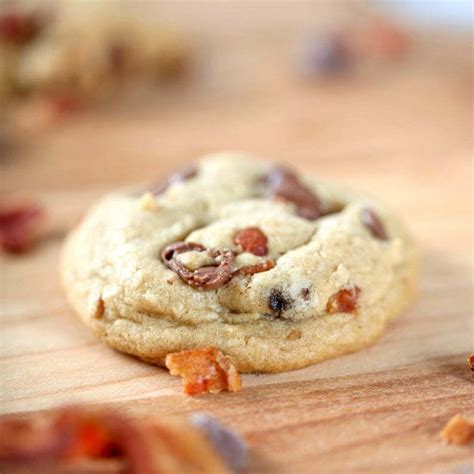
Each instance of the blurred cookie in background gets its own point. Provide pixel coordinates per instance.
(84, 52)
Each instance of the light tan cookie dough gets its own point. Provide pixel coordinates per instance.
(290, 292)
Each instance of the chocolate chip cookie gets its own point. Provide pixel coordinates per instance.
(275, 269)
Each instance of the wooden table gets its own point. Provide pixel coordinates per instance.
(401, 131)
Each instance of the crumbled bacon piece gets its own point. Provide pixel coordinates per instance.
(204, 370)
(458, 430)
(470, 361)
(257, 268)
(19, 227)
(253, 240)
(47, 440)
(283, 183)
(344, 301)
(204, 278)
(373, 222)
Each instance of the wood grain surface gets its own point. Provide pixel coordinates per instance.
(400, 131)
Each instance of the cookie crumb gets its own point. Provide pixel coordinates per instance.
(470, 361)
(458, 430)
(204, 370)
(148, 202)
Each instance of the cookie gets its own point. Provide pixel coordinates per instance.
(86, 50)
(274, 268)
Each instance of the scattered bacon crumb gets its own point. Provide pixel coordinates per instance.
(253, 240)
(19, 227)
(470, 361)
(204, 370)
(458, 430)
(344, 301)
(75, 435)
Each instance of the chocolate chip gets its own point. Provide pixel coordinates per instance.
(204, 278)
(283, 183)
(277, 302)
(373, 222)
(186, 173)
(227, 442)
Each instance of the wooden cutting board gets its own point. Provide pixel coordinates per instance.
(401, 131)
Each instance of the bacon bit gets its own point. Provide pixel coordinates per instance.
(344, 301)
(75, 434)
(458, 430)
(18, 28)
(204, 370)
(373, 222)
(253, 240)
(283, 183)
(470, 361)
(19, 227)
(257, 268)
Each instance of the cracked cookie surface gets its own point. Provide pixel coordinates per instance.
(276, 270)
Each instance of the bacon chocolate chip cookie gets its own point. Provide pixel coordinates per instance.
(273, 268)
